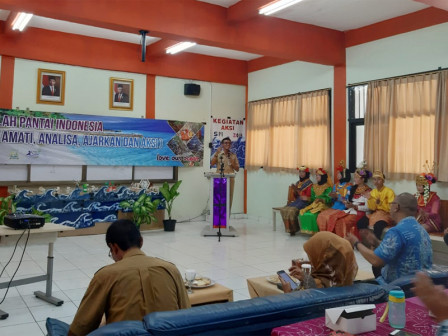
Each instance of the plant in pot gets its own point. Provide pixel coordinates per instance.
(169, 194)
(143, 209)
(7, 206)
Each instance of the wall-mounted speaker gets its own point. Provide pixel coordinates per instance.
(192, 89)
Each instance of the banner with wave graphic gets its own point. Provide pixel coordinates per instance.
(33, 137)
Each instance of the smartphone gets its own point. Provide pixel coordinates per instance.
(398, 332)
(285, 276)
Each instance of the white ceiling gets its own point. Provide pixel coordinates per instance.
(340, 15)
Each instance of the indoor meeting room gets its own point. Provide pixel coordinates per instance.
(223, 167)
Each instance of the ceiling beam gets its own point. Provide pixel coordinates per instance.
(57, 47)
(402, 24)
(198, 22)
(442, 4)
(245, 10)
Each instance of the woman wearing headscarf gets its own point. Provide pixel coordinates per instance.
(320, 198)
(299, 195)
(333, 262)
(344, 221)
(339, 193)
(428, 203)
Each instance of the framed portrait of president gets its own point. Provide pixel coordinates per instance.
(50, 87)
(121, 95)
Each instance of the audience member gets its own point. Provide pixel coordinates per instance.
(338, 195)
(135, 285)
(428, 203)
(406, 247)
(332, 260)
(299, 195)
(445, 236)
(434, 298)
(344, 221)
(320, 198)
(379, 200)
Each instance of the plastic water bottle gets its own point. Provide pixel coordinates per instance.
(397, 309)
(308, 281)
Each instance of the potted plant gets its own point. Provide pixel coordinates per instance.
(143, 209)
(7, 206)
(169, 194)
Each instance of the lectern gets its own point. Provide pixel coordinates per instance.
(219, 206)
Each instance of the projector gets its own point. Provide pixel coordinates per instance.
(20, 222)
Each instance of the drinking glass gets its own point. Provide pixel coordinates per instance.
(190, 274)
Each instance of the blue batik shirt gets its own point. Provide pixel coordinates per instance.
(405, 249)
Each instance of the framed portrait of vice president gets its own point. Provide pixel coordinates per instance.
(50, 87)
(121, 95)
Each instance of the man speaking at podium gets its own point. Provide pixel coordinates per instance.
(229, 163)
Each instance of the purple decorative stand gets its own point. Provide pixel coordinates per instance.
(219, 225)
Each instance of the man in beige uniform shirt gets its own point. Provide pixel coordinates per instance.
(230, 163)
(135, 285)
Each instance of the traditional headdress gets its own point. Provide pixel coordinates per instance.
(345, 173)
(379, 174)
(362, 171)
(427, 178)
(304, 168)
(321, 171)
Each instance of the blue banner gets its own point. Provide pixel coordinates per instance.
(32, 137)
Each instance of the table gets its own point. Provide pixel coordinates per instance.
(417, 321)
(44, 235)
(214, 294)
(259, 287)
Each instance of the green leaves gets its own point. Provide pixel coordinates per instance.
(143, 209)
(169, 194)
(47, 216)
(7, 205)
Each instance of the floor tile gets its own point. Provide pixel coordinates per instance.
(258, 251)
(28, 329)
(16, 316)
(40, 313)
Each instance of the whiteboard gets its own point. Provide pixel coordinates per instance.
(13, 172)
(109, 173)
(153, 173)
(55, 173)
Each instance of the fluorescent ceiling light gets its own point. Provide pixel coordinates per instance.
(277, 6)
(179, 47)
(21, 21)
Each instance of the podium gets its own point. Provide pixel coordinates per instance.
(219, 206)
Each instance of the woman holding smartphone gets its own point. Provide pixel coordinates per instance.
(332, 260)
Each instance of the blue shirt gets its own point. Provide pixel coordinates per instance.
(405, 249)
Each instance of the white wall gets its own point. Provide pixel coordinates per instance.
(417, 51)
(86, 90)
(267, 190)
(422, 50)
(218, 100)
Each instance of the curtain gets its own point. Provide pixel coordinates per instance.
(287, 132)
(441, 129)
(400, 124)
(258, 125)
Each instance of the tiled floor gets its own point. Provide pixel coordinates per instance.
(258, 251)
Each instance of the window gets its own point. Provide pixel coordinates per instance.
(286, 132)
(357, 102)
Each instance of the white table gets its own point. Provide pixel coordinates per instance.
(44, 235)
